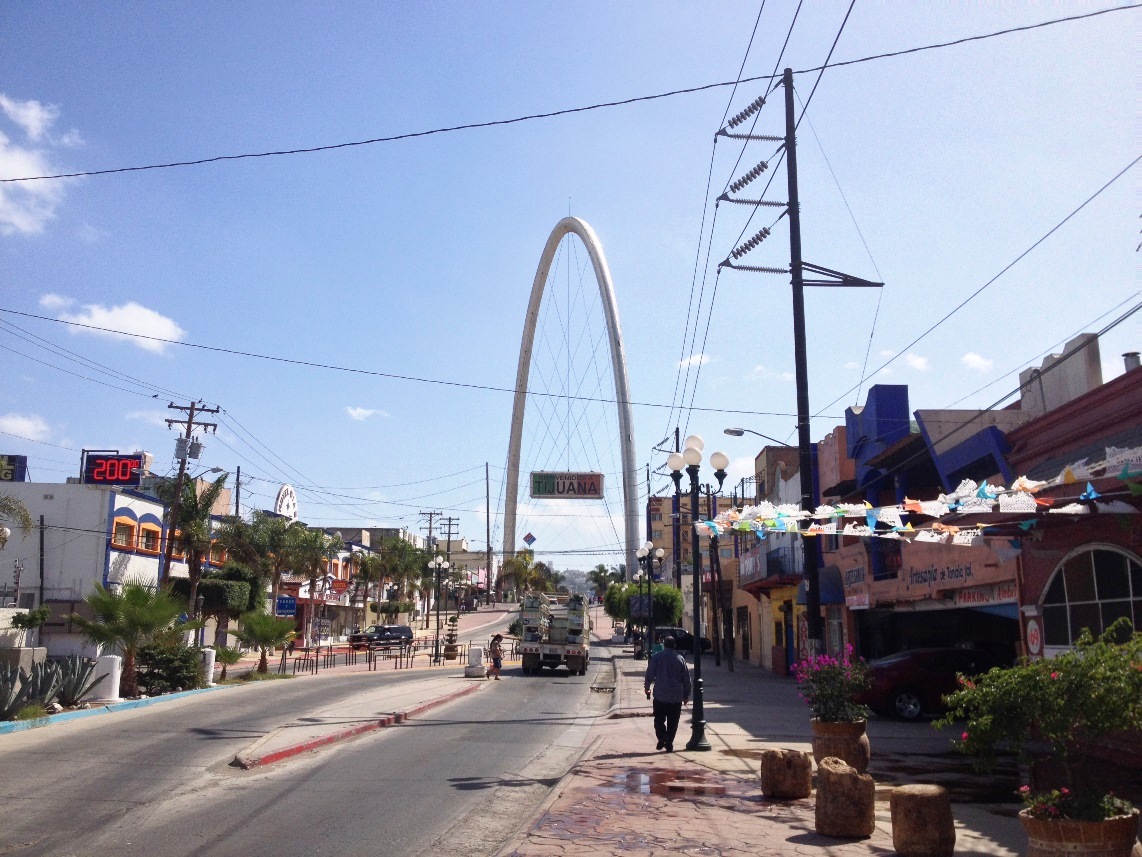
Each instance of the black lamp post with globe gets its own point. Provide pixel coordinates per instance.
(689, 459)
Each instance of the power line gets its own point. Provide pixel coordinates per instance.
(372, 373)
(978, 291)
(554, 113)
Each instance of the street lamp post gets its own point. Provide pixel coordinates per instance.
(648, 557)
(438, 564)
(689, 459)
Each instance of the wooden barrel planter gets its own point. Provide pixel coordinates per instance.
(1114, 837)
(845, 741)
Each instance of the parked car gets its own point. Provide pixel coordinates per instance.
(376, 635)
(683, 638)
(911, 683)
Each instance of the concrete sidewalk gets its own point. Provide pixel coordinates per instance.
(626, 798)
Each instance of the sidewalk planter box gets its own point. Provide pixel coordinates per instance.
(1114, 837)
(846, 741)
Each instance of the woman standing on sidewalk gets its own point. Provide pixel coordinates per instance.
(496, 652)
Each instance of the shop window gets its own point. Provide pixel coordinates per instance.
(123, 536)
(1091, 590)
(884, 558)
(150, 540)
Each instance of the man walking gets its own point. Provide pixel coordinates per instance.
(668, 673)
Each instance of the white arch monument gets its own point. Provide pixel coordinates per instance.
(618, 365)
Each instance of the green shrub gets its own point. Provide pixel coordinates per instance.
(1053, 707)
(32, 619)
(219, 597)
(167, 668)
(33, 711)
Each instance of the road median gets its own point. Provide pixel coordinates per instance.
(326, 728)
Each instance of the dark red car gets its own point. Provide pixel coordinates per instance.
(909, 684)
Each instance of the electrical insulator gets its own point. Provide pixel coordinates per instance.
(180, 445)
(741, 250)
(750, 176)
(196, 449)
(754, 106)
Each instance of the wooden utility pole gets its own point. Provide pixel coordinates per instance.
(189, 425)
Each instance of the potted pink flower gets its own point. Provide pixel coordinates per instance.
(830, 686)
(1049, 712)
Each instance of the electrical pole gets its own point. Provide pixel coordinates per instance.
(432, 547)
(189, 424)
(238, 493)
(488, 529)
(804, 439)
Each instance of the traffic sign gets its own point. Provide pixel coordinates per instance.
(530, 539)
(286, 606)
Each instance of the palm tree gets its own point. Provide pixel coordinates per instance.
(12, 509)
(127, 620)
(193, 524)
(368, 575)
(309, 552)
(262, 544)
(266, 632)
(602, 577)
(521, 571)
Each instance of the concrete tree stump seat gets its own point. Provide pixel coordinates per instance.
(845, 801)
(786, 774)
(922, 824)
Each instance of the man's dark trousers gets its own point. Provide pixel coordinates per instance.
(666, 715)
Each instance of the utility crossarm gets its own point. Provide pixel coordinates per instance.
(838, 280)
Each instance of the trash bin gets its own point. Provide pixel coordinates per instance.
(107, 688)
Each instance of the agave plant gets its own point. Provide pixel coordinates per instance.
(77, 681)
(13, 692)
(43, 683)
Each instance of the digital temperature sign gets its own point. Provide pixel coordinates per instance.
(112, 468)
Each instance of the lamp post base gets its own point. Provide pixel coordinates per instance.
(698, 737)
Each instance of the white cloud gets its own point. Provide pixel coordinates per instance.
(363, 413)
(54, 302)
(25, 207)
(886, 354)
(977, 362)
(694, 360)
(852, 364)
(132, 319)
(34, 118)
(155, 418)
(31, 427)
(767, 374)
(915, 361)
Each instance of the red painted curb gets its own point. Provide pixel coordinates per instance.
(398, 717)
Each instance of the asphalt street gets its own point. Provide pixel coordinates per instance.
(458, 779)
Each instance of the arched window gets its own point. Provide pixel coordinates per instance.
(1091, 589)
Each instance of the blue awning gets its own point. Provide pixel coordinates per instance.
(832, 589)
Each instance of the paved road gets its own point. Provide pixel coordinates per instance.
(157, 781)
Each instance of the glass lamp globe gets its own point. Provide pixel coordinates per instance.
(660, 553)
(675, 462)
(719, 461)
(695, 441)
(692, 455)
(640, 553)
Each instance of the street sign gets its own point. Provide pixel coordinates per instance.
(286, 606)
(530, 539)
(566, 486)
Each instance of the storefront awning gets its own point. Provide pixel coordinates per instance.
(832, 590)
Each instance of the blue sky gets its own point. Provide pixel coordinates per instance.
(416, 257)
